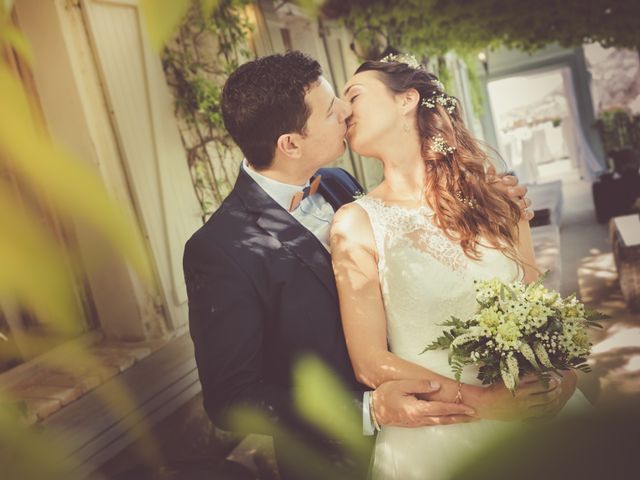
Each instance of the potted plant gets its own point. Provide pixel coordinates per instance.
(615, 191)
(620, 135)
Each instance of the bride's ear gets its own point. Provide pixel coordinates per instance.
(289, 144)
(409, 100)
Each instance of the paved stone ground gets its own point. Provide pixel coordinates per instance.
(588, 268)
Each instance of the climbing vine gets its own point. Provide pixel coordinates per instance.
(431, 28)
(407, 28)
(438, 26)
(197, 61)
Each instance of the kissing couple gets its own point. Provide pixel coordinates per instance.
(292, 264)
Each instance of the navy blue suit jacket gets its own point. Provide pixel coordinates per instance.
(262, 294)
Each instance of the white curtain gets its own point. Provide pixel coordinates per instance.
(541, 150)
(521, 150)
(580, 149)
(527, 170)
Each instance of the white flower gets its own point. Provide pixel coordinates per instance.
(508, 336)
(487, 290)
(515, 310)
(488, 320)
(462, 339)
(439, 144)
(536, 293)
(551, 299)
(572, 308)
(447, 102)
(537, 316)
(403, 58)
(574, 340)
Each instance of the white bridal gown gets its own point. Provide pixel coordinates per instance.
(426, 278)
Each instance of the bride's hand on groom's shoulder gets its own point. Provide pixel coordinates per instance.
(509, 184)
(396, 403)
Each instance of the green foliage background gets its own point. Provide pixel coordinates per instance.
(207, 47)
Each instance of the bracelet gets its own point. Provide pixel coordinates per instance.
(458, 398)
(372, 414)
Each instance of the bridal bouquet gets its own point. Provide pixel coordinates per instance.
(519, 329)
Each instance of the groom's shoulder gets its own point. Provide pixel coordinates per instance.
(339, 175)
(226, 223)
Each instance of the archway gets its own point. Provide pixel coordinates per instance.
(560, 77)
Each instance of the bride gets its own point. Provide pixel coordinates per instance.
(405, 258)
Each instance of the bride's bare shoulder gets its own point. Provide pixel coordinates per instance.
(349, 218)
(351, 226)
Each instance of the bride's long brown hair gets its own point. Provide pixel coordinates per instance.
(466, 207)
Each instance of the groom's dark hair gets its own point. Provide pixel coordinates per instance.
(264, 99)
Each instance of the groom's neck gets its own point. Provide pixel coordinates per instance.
(289, 174)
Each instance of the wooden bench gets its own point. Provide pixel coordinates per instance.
(625, 240)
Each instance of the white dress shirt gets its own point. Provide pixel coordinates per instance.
(314, 212)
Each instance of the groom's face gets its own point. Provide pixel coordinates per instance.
(323, 142)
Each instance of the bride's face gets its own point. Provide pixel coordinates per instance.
(376, 117)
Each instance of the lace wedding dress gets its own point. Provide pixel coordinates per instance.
(426, 278)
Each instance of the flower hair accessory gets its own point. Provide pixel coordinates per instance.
(403, 58)
(442, 99)
(438, 144)
(469, 202)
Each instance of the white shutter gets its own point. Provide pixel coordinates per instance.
(141, 107)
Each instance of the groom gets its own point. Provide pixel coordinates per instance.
(258, 273)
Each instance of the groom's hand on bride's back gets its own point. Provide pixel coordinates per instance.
(395, 403)
(509, 184)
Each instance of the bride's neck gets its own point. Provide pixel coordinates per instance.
(404, 172)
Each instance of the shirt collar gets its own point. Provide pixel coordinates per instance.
(282, 193)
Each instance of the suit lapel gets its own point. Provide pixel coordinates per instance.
(301, 242)
(278, 223)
